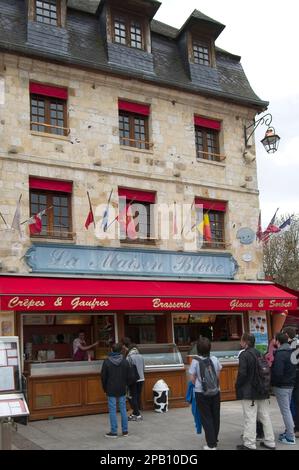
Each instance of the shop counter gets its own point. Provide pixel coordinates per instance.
(74, 388)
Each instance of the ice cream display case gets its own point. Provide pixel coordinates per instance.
(161, 357)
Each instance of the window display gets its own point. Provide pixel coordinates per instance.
(105, 334)
(161, 356)
(216, 327)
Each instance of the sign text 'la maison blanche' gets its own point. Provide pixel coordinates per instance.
(65, 259)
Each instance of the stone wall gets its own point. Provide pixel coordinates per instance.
(92, 158)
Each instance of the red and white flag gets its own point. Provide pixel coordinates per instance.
(35, 223)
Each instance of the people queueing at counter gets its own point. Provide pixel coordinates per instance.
(80, 347)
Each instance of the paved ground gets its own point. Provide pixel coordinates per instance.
(170, 431)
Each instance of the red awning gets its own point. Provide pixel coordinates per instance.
(136, 108)
(208, 123)
(50, 184)
(24, 293)
(48, 90)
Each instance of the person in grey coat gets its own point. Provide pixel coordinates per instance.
(135, 360)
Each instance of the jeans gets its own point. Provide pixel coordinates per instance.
(283, 397)
(112, 402)
(135, 400)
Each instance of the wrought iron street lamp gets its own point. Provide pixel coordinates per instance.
(271, 139)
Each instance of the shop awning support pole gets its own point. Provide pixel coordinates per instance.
(5, 433)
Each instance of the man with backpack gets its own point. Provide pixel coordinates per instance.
(204, 371)
(253, 388)
(283, 379)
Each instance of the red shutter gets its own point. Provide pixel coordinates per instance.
(50, 185)
(136, 108)
(139, 196)
(210, 205)
(208, 123)
(47, 90)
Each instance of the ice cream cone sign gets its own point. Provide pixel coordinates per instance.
(278, 320)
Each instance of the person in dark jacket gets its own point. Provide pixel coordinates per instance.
(115, 376)
(255, 404)
(294, 343)
(283, 378)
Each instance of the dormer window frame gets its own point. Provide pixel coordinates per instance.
(128, 20)
(206, 43)
(39, 4)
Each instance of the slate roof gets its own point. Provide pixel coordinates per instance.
(87, 48)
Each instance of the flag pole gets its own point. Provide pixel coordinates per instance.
(90, 208)
(106, 212)
(4, 220)
(45, 210)
(185, 221)
(133, 200)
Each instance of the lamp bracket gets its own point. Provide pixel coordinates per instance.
(266, 119)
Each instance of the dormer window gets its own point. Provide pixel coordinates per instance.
(128, 31)
(48, 12)
(201, 53)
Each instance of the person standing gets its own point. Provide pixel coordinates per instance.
(136, 361)
(294, 343)
(255, 403)
(204, 371)
(115, 377)
(283, 378)
(80, 347)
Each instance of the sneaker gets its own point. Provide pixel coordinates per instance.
(111, 434)
(209, 448)
(125, 433)
(282, 435)
(135, 418)
(263, 444)
(289, 442)
(132, 418)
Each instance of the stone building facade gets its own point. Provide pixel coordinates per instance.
(91, 156)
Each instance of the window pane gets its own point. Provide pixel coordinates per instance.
(201, 54)
(46, 12)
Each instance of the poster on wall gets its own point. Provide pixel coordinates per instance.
(6, 324)
(258, 328)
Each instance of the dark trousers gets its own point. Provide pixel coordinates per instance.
(209, 410)
(135, 400)
(296, 406)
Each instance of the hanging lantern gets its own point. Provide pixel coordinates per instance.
(271, 140)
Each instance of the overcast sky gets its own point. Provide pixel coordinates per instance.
(265, 34)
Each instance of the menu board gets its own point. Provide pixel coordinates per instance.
(258, 328)
(13, 404)
(10, 372)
